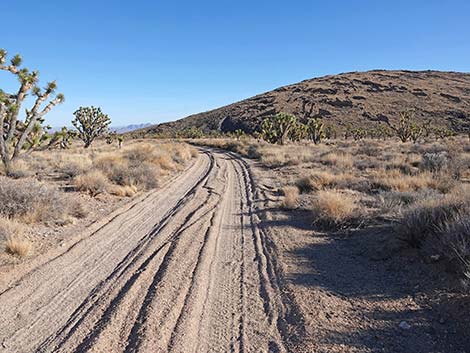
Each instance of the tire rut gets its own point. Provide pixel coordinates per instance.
(189, 268)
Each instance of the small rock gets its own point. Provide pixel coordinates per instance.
(442, 320)
(404, 325)
(435, 258)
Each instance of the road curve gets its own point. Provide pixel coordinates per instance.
(185, 269)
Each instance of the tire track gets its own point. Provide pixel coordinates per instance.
(188, 268)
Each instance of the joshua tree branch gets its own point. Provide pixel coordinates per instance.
(34, 117)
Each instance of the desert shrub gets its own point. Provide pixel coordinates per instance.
(19, 169)
(140, 165)
(334, 209)
(367, 163)
(253, 152)
(73, 165)
(305, 184)
(181, 153)
(94, 183)
(164, 161)
(369, 149)
(339, 159)
(139, 153)
(291, 195)
(435, 162)
(144, 176)
(455, 240)
(424, 218)
(442, 224)
(316, 181)
(395, 180)
(115, 168)
(32, 201)
(392, 203)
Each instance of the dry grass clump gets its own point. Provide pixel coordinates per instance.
(12, 232)
(339, 159)
(291, 196)
(18, 246)
(123, 191)
(334, 209)
(20, 169)
(32, 201)
(317, 180)
(455, 240)
(395, 180)
(73, 165)
(424, 218)
(140, 166)
(94, 183)
(442, 223)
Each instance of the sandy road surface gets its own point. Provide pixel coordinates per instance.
(185, 269)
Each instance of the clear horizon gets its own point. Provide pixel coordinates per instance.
(150, 63)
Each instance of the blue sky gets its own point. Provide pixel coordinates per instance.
(154, 61)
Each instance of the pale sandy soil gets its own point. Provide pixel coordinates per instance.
(208, 263)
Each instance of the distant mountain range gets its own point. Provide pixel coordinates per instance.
(129, 128)
(362, 99)
(117, 129)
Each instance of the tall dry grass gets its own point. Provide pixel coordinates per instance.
(12, 233)
(291, 196)
(335, 209)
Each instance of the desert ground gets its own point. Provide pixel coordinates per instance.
(239, 246)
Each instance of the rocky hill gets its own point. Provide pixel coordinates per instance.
(359, 98)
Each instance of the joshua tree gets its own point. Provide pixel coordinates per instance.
(15, 131)
(91, 123)
(62, 138)
(442, 132)
(315, 130)
(37, 138)
(407, 128)
(298, 132)
(278, 128)
(239, 134)
(111, 137)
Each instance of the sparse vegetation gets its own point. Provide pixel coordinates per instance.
(418, 187)
(32, 193)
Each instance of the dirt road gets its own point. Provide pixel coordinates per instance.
(184, 269)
